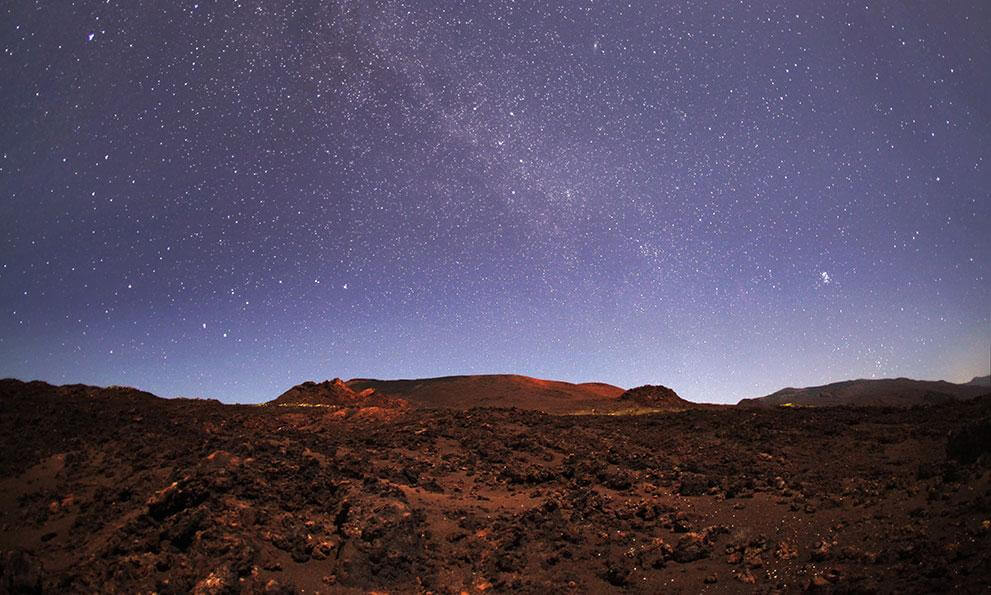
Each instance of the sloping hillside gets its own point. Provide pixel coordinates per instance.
(980, 381)
(496, 390)
(333, 393)
(890, 392)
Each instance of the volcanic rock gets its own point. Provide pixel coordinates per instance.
(336, 394)
(656, 397)
(327, 393)
(122, 492)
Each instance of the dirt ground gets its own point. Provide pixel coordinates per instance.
(116, 490)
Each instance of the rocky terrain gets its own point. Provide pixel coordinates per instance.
(888, 392)
(115, 490)
(657, 398)
(336, 394)
(328, 393)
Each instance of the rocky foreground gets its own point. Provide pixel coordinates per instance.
(117, 490)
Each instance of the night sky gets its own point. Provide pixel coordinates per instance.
(224, 199)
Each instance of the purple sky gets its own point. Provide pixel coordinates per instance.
(227, 198)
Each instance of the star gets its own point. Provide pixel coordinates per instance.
(474, 172)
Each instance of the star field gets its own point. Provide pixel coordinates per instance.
(226, 198)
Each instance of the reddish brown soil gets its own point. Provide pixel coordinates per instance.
(116, 490)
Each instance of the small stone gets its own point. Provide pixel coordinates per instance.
(691, 547)
(752, 558)
(218, 581)
(274, 587)
(785, 551)
(746, 577)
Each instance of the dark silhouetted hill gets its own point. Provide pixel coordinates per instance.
(980, 381)
(889, 392)
(656, 397)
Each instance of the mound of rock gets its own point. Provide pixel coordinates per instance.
(657, 397)
(333, 393)
(329, 392)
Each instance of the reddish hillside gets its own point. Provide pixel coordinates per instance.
(497, 390)
(332, 393)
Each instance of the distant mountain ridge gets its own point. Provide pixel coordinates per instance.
(980, 381)
(15, 388)
(890, 392)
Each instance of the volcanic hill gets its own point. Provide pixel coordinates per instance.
(336, 394)
(659, 398)
(328, 393)
(980, 381)
(497, 390)
(890, 392)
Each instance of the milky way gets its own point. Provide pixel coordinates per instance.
(226, 198)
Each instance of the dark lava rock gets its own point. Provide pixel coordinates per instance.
(174, 498)
(693, 484)
(617, 574)
(615, 478)
(690, 548)
(658, 397)
(19, 573)
(272, 499)
(970, 442)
